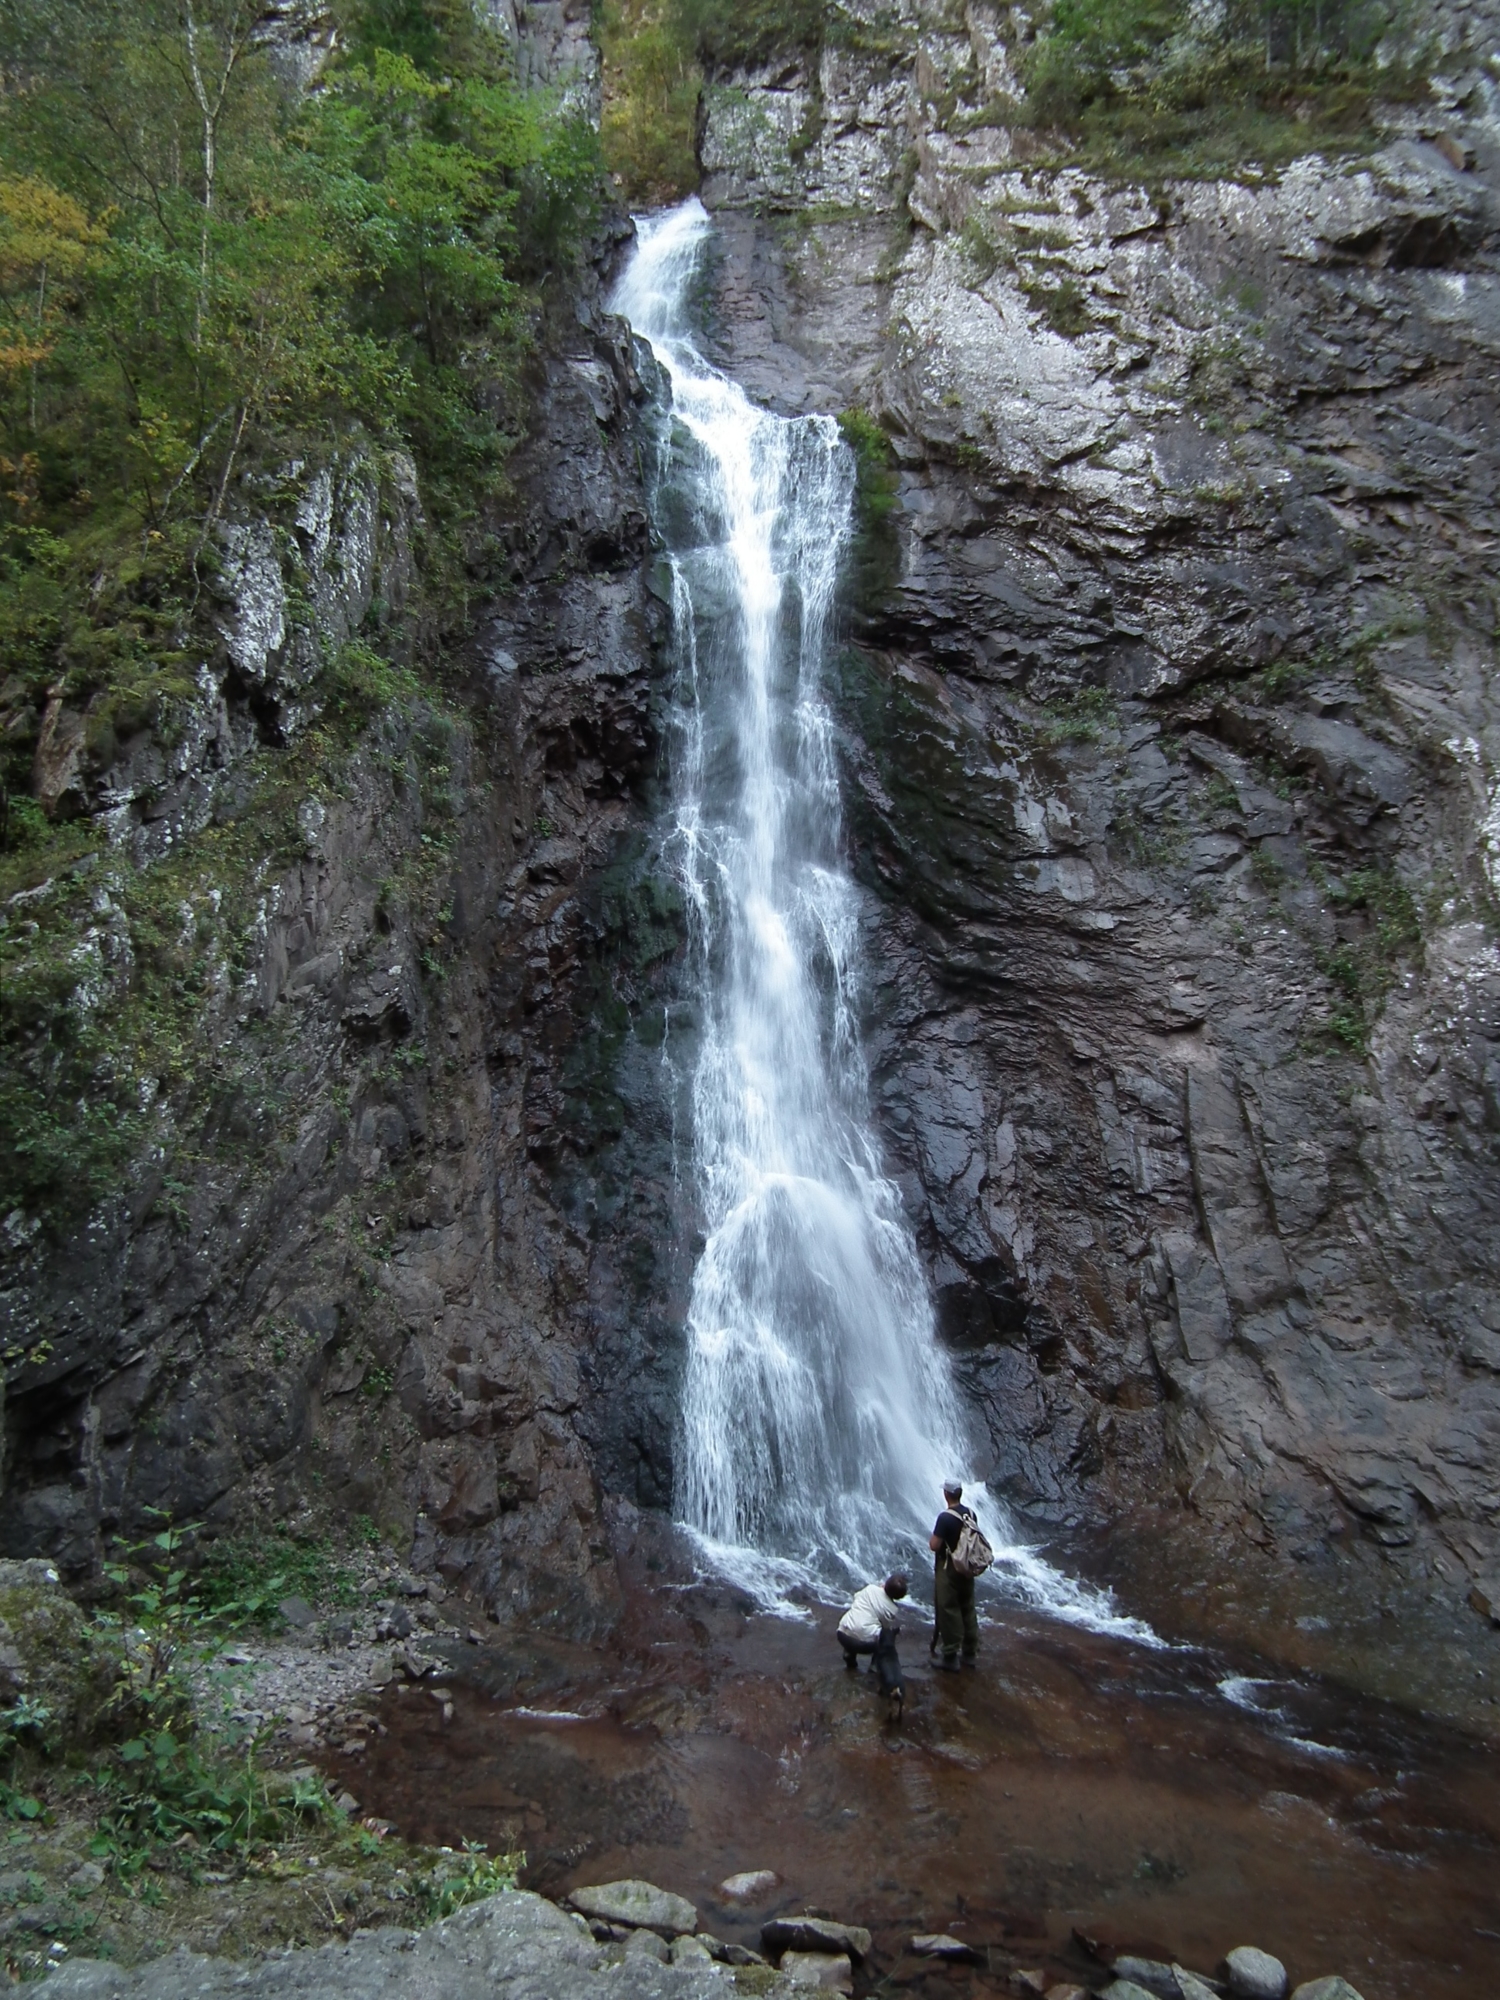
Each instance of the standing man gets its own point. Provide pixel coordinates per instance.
(952, 1594)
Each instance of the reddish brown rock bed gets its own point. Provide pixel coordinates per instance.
(1073, 1800)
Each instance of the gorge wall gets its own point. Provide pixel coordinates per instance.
(1170, 727)
(1170, 731)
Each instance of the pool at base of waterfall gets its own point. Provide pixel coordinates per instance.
(1071, 1787)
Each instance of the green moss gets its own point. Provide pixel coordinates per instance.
(1381, 925)
(1062, 302)
(1151, 86)
(875, 556)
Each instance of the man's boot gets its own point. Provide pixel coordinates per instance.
(948, 1664)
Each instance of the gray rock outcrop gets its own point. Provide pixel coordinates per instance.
(513, 1945)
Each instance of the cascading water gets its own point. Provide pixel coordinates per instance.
(818, 1416)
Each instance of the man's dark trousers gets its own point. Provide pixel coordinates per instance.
(883, 1654)
(957, 1620)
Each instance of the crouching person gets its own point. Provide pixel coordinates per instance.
(870, 1626)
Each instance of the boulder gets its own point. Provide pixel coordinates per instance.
(938, 1944)
(751, 1887)
(814, 1934)
(1332, 1988)
(1255, 1975)
(640, 1904)
(66, 1664)
(826, 1971)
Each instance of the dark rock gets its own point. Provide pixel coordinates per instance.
(815, 1934)
(298, 1613)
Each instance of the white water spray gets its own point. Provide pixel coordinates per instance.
(819, 1418)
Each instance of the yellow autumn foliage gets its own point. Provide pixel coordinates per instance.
(46, 240)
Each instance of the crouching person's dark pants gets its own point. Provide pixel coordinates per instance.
(883, 1653)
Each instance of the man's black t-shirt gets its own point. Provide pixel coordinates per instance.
(949, 1526)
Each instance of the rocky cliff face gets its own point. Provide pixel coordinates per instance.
(347, 1273)
(1171, 733)
(1171, 739)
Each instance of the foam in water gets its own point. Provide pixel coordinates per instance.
(819, 1419)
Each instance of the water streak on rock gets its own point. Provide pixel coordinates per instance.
(818, 1415)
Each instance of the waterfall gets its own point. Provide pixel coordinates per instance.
(819, 1418)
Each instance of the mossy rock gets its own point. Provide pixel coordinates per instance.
(51, 1654)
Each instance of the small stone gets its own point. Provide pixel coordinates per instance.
(938, 1944)
(739, 1954)
(1152, 1973)
(1255, 1975)
(86, 1878)
(826, 1971)
(640, 1904)
(686, 1950)
(476, 1637)
(648, 1944)
(1032, 1983)
(751, 1887)
(1332, 1988)
(818, 1934)
(298, 1613)
(1191, 1987)
(347, 1802)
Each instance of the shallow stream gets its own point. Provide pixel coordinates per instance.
(1074, 1787)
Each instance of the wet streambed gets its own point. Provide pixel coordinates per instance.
(1072, 1786)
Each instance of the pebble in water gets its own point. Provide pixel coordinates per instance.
(938, 1944)
(750, 1887)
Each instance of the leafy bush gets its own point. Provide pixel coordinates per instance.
(165, 1789)
(461, 1878)
(199, 274)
